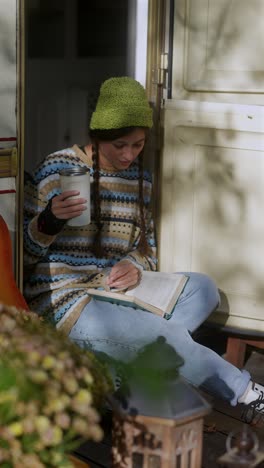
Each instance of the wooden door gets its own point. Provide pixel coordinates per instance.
(212, 168)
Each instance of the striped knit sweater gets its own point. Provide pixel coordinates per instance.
(60, 268)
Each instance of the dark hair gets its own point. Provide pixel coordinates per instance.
(109, 135)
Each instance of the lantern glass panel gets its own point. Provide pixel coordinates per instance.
(189, 459)
(178, 461)
(137, 460)
(154, 461)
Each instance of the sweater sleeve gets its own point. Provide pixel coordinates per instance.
(38, 194)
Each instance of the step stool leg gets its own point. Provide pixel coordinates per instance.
(235, 351)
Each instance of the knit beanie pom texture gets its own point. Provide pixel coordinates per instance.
(122, 102)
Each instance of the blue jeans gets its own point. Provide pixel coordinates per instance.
(121, 331)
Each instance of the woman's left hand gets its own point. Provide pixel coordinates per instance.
(123, 275)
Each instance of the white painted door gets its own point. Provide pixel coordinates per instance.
(212, 169)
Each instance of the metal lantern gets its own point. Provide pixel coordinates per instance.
(158, 428)
(242, 450)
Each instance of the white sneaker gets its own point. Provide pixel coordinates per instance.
(255, 403)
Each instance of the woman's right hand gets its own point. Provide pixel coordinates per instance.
(64, 206)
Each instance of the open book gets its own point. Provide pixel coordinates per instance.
(157, 292)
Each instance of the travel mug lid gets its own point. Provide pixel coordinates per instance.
(74, 171)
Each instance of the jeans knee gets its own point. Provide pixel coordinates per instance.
(208, 290)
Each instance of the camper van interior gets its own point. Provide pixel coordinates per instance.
(70, 48)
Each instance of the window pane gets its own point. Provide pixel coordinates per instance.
(45, 28)
(102, 28)
(154, 461)
(137, 460)
(178, 461)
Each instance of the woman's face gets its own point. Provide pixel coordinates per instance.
(120, 153)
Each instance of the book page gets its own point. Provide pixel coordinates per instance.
(157, 288)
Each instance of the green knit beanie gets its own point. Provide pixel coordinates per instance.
(122, 102)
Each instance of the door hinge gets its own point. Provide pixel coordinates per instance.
(159, 73)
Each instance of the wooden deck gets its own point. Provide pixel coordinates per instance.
(217, 425)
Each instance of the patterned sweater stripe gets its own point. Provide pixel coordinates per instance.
(54, 264)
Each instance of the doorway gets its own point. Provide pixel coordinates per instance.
(71, 47)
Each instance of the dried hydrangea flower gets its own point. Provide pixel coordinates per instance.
(50, 392)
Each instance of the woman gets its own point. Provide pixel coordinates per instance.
(62, 260)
